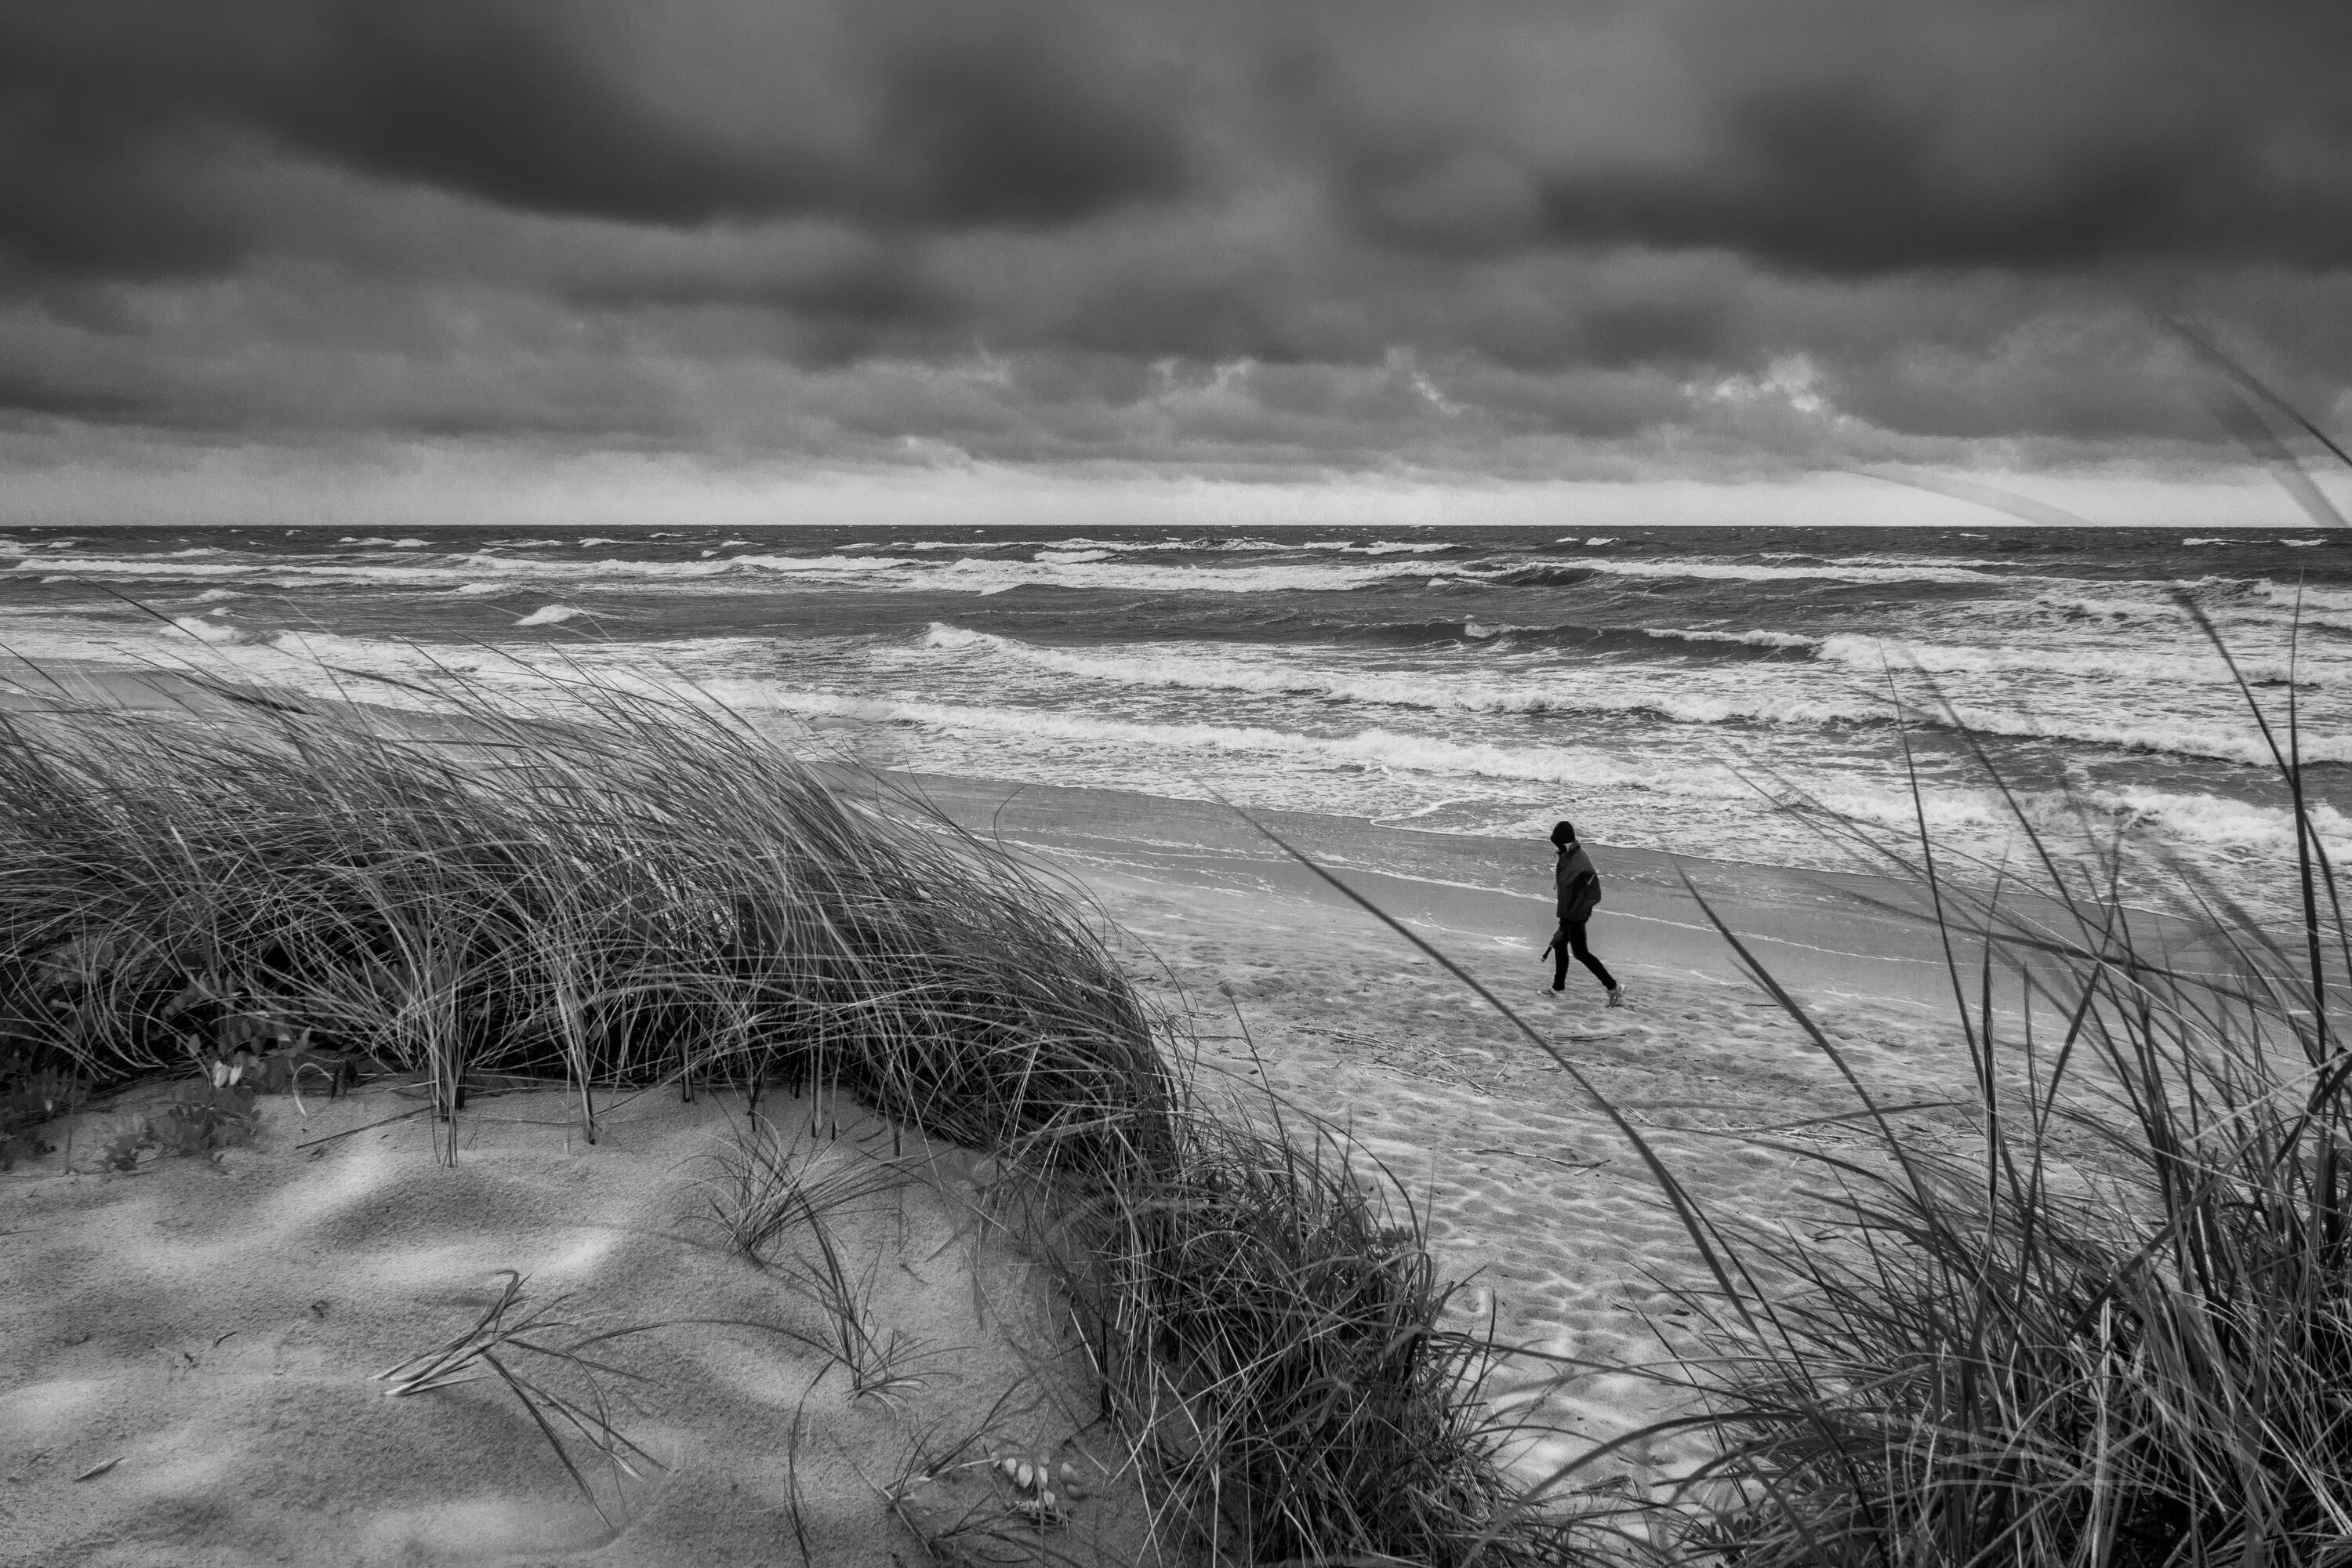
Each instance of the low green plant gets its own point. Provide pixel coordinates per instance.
(205, 1116)
(31, 1098)
(109, 1143)
(197, 1117)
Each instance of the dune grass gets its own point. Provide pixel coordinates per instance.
(642, 889)
(496, 1346)
(2115, 1329)
(617, 888)
(762, 1183)
(1271, 1334)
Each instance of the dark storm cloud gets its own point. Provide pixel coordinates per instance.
(986, 113)
(1854, 136)
(1494, 233)
(1850, 137)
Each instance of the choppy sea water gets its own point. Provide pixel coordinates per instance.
(1668, 688)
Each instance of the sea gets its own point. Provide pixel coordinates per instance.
(1744, 694)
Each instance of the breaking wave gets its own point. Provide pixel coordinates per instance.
(1608, 692)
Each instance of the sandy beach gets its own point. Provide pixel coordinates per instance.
(196, 1344)
(1528, 1191)
(199, 1338)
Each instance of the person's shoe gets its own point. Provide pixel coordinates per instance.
(1617, 997)
(1559, 985)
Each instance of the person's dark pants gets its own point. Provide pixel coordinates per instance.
(1571, 944)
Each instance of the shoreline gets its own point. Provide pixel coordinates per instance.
(1842, 933)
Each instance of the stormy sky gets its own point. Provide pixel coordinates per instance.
(267, 253)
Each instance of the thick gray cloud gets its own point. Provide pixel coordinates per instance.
(683, 114)
(1508, 237)
(1854, 137)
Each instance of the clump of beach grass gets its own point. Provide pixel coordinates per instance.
(604, 885)
(762, 1184)
(771, 1195)
(1273, 1342)
(2118, 1330)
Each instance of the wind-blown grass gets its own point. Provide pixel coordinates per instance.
(762, 1183)
(2115, 1330)
(643, 888)
(1270, 1332)
(495, 1347)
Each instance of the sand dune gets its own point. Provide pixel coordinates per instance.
(200, 1340)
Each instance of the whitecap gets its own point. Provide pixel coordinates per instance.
(1612, 691)
(1741, 572)
(210, 631)
(1152, 666)
(2158, 666)
(1370, 749)
(1749, 639)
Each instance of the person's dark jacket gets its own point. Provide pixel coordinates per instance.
(1577, 883)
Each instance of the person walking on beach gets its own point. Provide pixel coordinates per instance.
(1578, 887)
